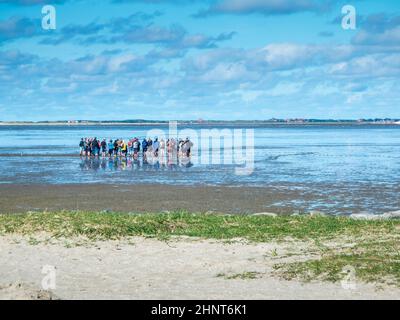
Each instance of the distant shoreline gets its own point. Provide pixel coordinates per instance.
(206, 123)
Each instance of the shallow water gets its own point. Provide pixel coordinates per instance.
(341, 163)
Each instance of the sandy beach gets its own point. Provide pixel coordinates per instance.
(141, 268)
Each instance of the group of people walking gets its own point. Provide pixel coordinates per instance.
(93, 147)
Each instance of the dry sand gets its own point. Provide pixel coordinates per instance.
(151, 269)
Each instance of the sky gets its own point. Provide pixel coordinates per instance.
(199, 59)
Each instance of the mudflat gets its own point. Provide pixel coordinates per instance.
(17, 198)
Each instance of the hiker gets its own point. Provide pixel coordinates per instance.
(162, 151)
(110, 148)
(144, 146)
(81, 147)
(116, 143)
(180, 145)
(186, 147)
(130, 147)
(172, 152)
(88, 149)
(95, 147)
(103, 148)
(124, 149)
(136, 148)
(156, 146)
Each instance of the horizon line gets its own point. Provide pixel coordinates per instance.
(207, 120)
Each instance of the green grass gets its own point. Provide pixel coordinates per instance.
(374, 253)
(248, 275)
(372, 262)
(105, 226)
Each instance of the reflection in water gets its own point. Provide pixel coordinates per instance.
(123, 164)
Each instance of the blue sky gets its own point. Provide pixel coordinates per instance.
(191, 59)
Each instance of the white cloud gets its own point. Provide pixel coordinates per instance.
(224, 72)
(115, 63)
(265, 7)
(285, 88)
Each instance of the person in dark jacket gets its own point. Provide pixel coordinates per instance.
(82, 147)
(95, 147)
(103, 148)
(144, 145)
(116, 144)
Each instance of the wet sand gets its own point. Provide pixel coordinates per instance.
(142, 198)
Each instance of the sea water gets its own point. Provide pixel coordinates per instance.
(351, 167)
